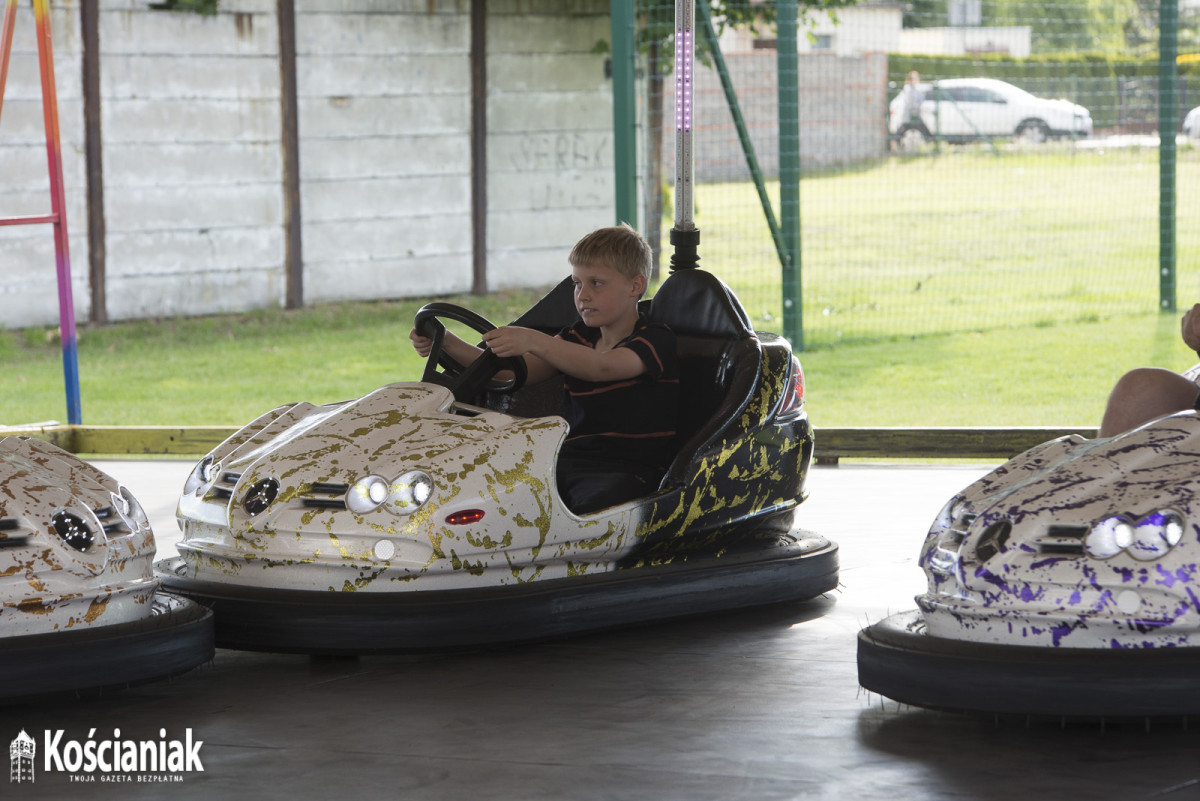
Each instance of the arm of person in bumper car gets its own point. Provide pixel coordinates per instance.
(464, 352)
(542, 352)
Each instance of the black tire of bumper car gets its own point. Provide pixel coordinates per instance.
(298, 621)
(939, 673)
(176, 637)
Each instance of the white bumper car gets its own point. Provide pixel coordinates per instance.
(425, 515)
(80, 608)
(1064, 583)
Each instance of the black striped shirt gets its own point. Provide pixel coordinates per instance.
(634, 420)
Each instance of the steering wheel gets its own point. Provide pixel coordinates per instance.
(465, 381)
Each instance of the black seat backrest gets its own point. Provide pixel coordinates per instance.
(554, 312)
(719, 358)
(696, 303)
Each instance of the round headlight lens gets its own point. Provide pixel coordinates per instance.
(367, 494)
(1108, 537)
(410, 491)
(1172, 528)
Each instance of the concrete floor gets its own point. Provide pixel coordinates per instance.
(762, 704)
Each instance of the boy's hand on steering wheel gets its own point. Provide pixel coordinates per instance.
(421, 344)
(509, 341)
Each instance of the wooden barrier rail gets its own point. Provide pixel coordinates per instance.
(832, 444)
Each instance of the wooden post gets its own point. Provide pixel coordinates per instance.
(89, 23)
(293, 256)
(479, 198)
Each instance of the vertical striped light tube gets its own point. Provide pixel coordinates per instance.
(684, 61)
(685, 237)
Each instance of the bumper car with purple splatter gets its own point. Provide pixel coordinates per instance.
(80, 608)
(1064, 583)
(425, 515)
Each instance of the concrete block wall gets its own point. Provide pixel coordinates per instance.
(550, 146)
(843, 107)
(28, 279)
(385, 147)
(193, 165)
(191, 129)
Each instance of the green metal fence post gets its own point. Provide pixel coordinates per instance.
(624, 111)
(1168, 122)
(788, 62)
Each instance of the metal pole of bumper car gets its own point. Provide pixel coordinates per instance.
(685, 237)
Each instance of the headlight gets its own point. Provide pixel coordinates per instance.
(942, 545)
(410, 491)
(367, 494)
(1147, 539)
(201, 476)
(404, 495)
(130, 510)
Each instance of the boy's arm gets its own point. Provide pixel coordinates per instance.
(464, 353)
(459, 349)
(578, 361)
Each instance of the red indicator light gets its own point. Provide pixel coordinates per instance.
(464, 518)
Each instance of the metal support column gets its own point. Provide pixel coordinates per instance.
(1168, 124)
(788, 62)
(289, 117)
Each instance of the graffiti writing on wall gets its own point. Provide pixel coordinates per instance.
(566, 169)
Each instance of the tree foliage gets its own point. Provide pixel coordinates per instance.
(656, 20)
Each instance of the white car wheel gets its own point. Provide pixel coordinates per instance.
(911, 139)
(1033, 132)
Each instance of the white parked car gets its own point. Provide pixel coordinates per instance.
(1191, 123)
(965, 109)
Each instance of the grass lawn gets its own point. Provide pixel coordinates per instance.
(964, 241)
(966, 289)
(227, 370)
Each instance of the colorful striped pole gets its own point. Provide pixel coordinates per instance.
(58, 214)
(6, 35)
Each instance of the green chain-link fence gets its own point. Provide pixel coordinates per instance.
(999, 208)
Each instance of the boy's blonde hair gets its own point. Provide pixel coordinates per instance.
(619, 247)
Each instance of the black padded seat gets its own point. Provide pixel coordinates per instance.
(719, 358)
(697, 303)
(554, 312)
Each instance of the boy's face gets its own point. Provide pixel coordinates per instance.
(604, 296)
